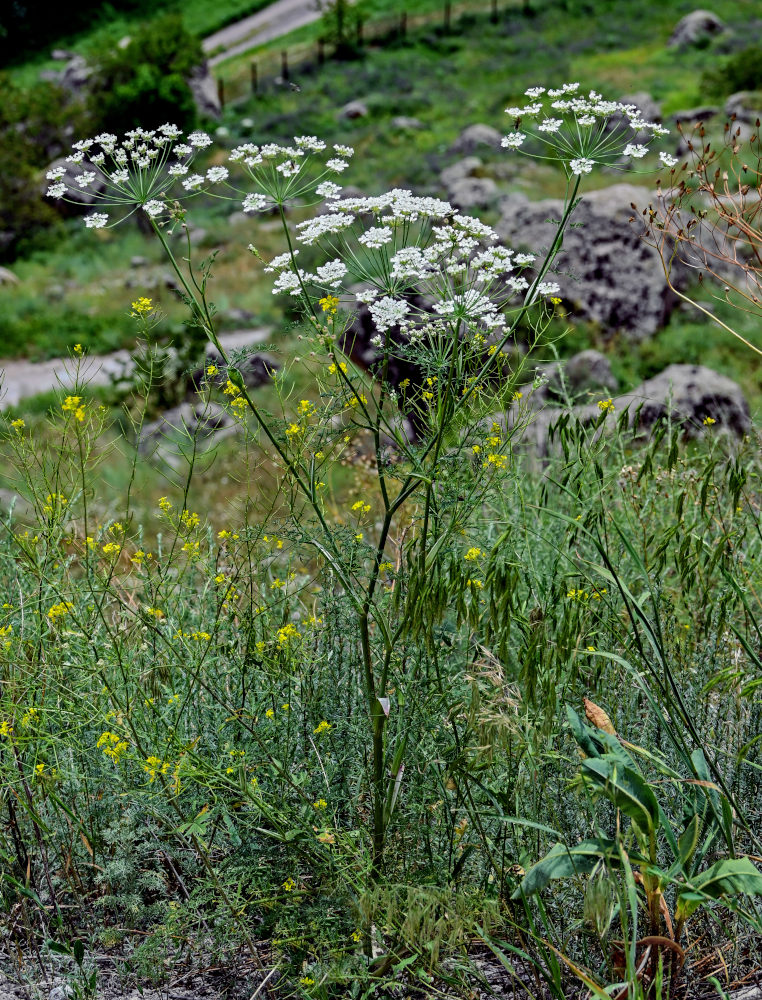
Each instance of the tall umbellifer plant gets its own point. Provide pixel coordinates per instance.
(393, 252)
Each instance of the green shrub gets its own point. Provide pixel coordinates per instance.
(146, 82)
(741, 71)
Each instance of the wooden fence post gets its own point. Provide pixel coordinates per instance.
(221, 91)
(254, 77)
(493, 14)
(284, 64)
(320, 51)
(359, 32)
(447, 15)
(403, 24)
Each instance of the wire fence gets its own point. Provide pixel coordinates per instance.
(274, 68)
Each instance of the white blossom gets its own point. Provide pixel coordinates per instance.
(254, 202)
(96, 220)
(217, 174)
(667, 160)
(388, 312)
(635, 150)
(199, 139)
(375, 238)
(513, 141)
(153, 207)
(331, 273)
(56, 190)
(336, 165)
(328, 190)
(581, 166)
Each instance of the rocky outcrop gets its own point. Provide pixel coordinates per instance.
(607, 274)
(206, 96)
(694, 28)
(745, 106)
(567, 381)
(698, 399)
(475, 136)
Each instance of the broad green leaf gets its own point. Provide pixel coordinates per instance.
(563, 861)
(730, 877)
(626, 788)
(688, 841)
(595, 742)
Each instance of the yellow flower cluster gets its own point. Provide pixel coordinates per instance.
(189, 519)
(112, 745)
(287, 633)
(472, 554)
(334, 369)
(329, 304)
(74, 404)
(54, 501)
(605, 404)
(154, 766)
(60, 610)
(17, 424)
(142, 307)
(322, 727)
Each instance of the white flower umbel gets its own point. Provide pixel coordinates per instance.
(132, 172)
(581, 131)
(280, 175)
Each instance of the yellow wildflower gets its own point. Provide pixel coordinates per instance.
(59, 610)
(73, 404)
(329, 304)
(605, 404)
(141, 307)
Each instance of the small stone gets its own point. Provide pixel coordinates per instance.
(354, 109)
(696, 27)
(474, 136)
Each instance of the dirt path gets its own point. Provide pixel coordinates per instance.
(277, 19)
(22, 379)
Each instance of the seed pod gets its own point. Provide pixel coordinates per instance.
(598, 717)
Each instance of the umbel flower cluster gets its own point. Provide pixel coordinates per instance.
(398, 241)
(151, 170)
(582, 131)
(400, 247)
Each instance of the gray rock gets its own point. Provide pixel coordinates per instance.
(590, 370)
(75, 75)
(405, 124)
(238, 218)
(695, 27)
(474, 136)
(685, 394)
(354, 109)
(749, 993)
(62, 992)
(566, 381)
(745, 105)
(649, 109)
(693, 115)
(61, 55)
(472, 192)
(138, 261)
(80, 196)
(466, 167)
(175, 425)
(203, 87)
(8, 277)
(606, 272)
